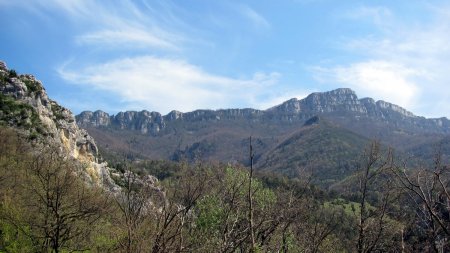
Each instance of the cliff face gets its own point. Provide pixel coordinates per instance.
(334, 103)
(26, 106)
(340, 100)
(153, 123)
(322, 132)
(96, 119)
(146, 122)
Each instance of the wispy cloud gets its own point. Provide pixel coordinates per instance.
(254, 17)
(158, 74)
(128, 37)
(163, 84)
(378, 15)
(111, 24)
(400, 62)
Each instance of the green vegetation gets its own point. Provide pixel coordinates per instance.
(371, 202)
(46, 206)
(18, 114)
(3, 79)
(32, 86)
(205, 208)
(349, 207)
(327, 152)
(12, 73)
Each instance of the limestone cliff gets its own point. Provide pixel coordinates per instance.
(338, 103)
(26, 106)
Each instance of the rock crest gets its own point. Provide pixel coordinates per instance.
(53, 122)
(341, 101)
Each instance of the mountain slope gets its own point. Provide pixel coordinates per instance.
(324, 151)
(222, 135)
(427, 151)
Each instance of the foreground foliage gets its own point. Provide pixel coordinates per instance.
(47, 206)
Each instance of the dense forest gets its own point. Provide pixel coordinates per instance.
(46, 205)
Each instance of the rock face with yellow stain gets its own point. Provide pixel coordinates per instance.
(25, 105)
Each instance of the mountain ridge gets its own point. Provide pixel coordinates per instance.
(338, 101)
(323, 131)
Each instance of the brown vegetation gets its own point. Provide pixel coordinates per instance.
(46, 206)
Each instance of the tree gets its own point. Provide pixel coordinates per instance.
(374, 184)
(134, 203)
(62, 207)
(250, 200)
(49, 206)
(428, 190)
(175, 218)
(222, 223)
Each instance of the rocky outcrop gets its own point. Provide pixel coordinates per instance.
(391, 108)
(341, 102)
(96, 119)
(146, 122)
(333, 101)
(153, 122)
(344, 103)
(26, 106)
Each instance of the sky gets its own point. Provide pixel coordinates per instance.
(164, 55)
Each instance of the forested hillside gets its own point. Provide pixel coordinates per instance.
(323, 133)
(56, 197)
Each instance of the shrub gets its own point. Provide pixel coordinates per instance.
(12, 73)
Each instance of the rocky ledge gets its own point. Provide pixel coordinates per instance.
(27, 107)
(341, 101)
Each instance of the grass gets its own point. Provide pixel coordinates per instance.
(349, 207)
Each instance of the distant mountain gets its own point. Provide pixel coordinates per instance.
(324, 132)
(337, 103)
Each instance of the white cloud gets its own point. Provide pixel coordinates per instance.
(277, 99)
(130, 37)
(257, 19)
(399, 61)
(160, 83)
(163, 84)
(112, 23)
(378, 79)
(71, 8)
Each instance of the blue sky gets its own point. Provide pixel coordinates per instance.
(184, 55)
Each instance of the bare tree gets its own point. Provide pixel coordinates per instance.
(52, 206)
(429, 193)
(250, 199)
(175, 215)
(373, 181)
(133, 203)
(67, 208)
